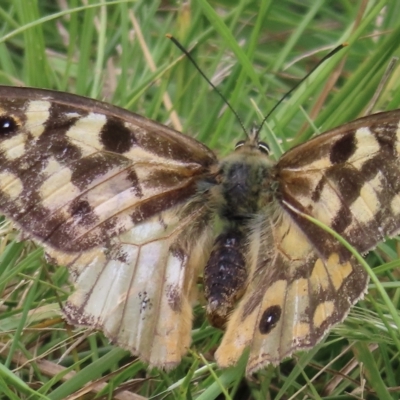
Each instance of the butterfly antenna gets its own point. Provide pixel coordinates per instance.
(329, 55)
(187, 54)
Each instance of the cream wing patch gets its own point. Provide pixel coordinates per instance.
(37, 113)
(367, 204)
(93, 122)
(10, 185)
(14, 147)
(366, 147)
(323, 312)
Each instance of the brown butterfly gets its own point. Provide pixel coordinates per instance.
(138, 211)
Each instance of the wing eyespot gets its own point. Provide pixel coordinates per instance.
(8, 125)
(269, 319)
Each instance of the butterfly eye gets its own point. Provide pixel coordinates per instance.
(239, 144)
(263, 147)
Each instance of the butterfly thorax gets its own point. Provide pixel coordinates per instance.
(246, 183)
(245, 187)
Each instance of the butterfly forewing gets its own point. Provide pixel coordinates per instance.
(76, 172)
(134, 209)
(349, 179)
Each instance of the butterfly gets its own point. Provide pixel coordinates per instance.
(138, 211)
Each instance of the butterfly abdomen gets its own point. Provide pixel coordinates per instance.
(225, 275)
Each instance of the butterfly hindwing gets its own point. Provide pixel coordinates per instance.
(139, 290)
(298, 289)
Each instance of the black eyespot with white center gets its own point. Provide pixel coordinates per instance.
(8, 125)
(269, 319)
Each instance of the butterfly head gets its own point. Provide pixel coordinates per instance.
(253, 143)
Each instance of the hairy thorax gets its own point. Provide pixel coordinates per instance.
(246, 184)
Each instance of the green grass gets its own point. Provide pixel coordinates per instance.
(255, 52)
